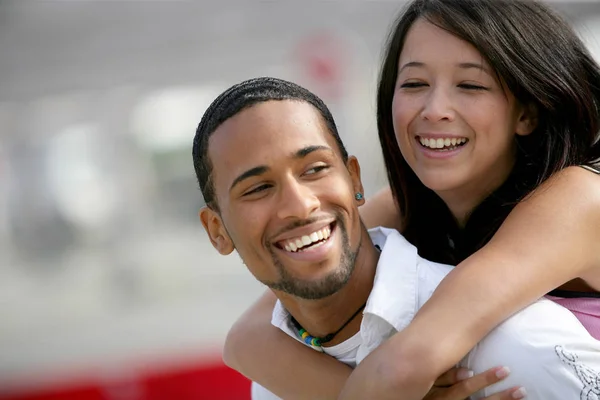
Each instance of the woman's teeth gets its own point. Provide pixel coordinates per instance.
(442, 143)
(301, 242)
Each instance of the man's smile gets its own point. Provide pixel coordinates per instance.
(302, 242)
(314, 246)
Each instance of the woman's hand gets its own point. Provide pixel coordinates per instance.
(459, 384)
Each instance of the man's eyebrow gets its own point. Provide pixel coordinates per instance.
(310, 149)
(256, 171)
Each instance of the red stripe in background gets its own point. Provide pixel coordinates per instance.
(209, 382)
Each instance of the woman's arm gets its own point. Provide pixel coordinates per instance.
(381, 210)
(549, 239)
(293, 371)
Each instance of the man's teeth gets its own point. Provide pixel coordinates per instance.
(441, 143)
(306, 240)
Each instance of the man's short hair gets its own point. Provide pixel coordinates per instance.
(237, 98)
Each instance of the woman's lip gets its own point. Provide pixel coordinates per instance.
(438, 154)
(439, 136)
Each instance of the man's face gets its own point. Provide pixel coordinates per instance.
(287, 199)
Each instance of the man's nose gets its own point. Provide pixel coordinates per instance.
(297, 201)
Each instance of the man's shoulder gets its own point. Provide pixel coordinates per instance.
(399, 249)
(381, 236)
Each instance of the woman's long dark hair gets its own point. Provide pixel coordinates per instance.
(543, 63)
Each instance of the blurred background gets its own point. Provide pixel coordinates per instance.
(109, 288)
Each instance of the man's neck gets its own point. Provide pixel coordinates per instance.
(325, 316)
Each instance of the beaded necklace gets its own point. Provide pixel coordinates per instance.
(317, 341)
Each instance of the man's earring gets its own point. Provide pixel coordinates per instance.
(358, 196)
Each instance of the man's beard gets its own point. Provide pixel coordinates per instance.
(330, 284)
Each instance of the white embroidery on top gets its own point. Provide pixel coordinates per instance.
(587, 376)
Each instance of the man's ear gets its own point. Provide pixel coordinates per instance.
(354, 169)
(528, 120)
(213, 224)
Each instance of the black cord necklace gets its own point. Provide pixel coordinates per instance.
(317, 341)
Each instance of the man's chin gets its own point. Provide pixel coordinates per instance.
(313, 289)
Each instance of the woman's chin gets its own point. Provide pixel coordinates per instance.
(440, 183)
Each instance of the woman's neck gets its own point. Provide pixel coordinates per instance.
(462, 205)
(464, 200)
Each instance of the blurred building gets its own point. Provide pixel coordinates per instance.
(106, 276)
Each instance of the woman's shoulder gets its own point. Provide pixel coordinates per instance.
(584, 177)
(595, 168)
(568, 205)
(575, 181)
(572, 193)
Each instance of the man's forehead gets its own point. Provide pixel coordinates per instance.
(271, 128)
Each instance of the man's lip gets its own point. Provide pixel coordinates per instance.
(304, 230)
(313, 255)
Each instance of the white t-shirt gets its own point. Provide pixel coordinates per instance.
(546, 348)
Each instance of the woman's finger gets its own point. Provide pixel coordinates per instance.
(467, 387)
(509, 394)
(453, 376)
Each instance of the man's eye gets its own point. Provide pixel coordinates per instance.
(316, 170)
(257, 189)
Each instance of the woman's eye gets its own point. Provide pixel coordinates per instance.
(412, 85)
(257, 189)
(470, 86)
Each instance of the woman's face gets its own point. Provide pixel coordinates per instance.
(454, 121)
